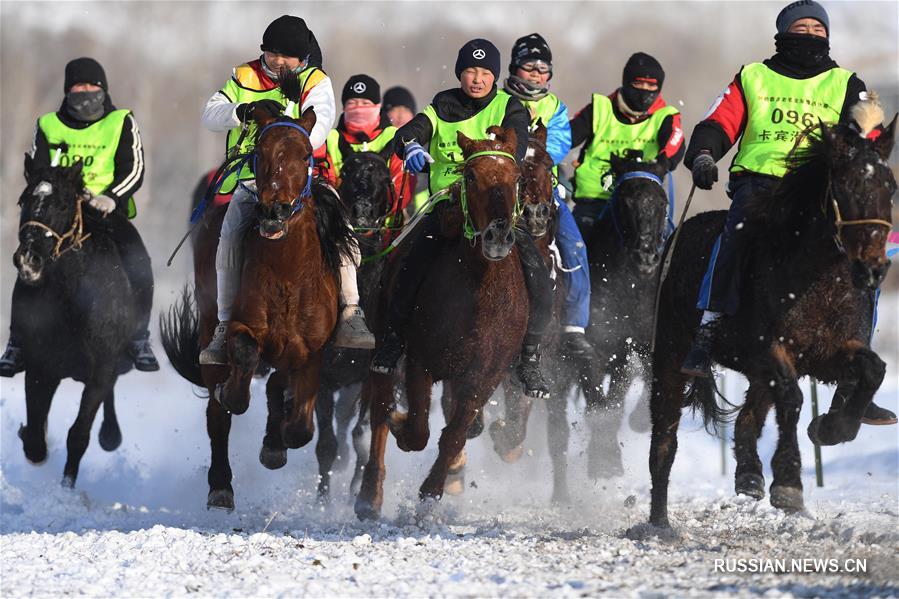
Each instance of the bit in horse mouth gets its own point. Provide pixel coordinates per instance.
(273, 235)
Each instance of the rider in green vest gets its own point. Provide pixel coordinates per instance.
(88, 128)
(287, 45)
(632, 121)
(399, 108)
(765, 109)
(471, 108)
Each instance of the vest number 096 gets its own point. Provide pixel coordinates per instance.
(792, 117)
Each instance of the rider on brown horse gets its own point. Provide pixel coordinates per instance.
(766, 107)
(287, 45)
(471, 109)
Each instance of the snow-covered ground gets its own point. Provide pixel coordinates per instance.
(137, 525)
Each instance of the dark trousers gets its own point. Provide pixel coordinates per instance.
(721, 285)
(137, 267)
(425, 246)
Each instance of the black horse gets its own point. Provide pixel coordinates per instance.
(816, 247)
(73, 309)
(367, 192)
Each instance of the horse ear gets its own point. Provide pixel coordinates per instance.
(539, 132)
(262, 117)
(74, 171)
(883, 145)
(464, 142)
(29, 167)
(618, 164)
(387, 151)
(308, 118)
(662, 165)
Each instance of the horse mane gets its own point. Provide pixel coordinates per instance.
(333, 226)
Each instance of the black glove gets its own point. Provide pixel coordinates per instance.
(705, 172)
(245, 110)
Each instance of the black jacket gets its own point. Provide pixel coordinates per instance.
(453, 105)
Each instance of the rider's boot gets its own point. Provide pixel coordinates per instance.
(388, 354)
(530, 374)
(13, 360)
(352, 331)
(141, 352)
(698, 362)
(217, 352)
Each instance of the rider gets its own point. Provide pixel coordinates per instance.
(471, 108)
(529, 73)
(766, 107)
(107, 142)
(632, 120)
(287, 45)
(399, 106)
(364, 128)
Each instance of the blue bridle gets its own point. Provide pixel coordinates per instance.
(609, 207)
(238, 162)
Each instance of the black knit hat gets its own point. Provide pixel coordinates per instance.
(804, 9)
(398, 96)
(478, 53)
(84, 70)
(528, 48)
(361, 86)
(287, 35)
(643, 66)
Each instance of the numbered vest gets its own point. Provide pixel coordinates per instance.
(779, 109)
(94, 146)
(543, 110)
(244, 86)
(335, 157)
(611, 136)
(444, 148)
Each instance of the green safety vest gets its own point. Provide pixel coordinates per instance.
(244, 86)
(779, 109)
(94, 146)
(611, 136)
(444, 148)
(544, 109)
(335, 157)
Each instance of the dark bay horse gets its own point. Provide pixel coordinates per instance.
(818, 243)
(73, 309)
(366, 191)
(470, 320)
(285, 311)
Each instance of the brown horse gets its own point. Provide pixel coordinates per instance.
(469, 322)
(818, 244)
(286, 309)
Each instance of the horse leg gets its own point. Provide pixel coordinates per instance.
(639, 421)
(273, 454)
(748, 477)
(411, 429)
(665, 404)
(508, 433)
(558, 433)
(786, 488)
(110, 435)
(377, 393)
(361, 442)
(466, 403)
(326, 447)
(243, 350)
(299, 429)
(604, 451)
(842, 425)
(218, 427)
(96, 390)
(39, 391)
(345, 410)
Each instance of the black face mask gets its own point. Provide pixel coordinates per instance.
(638, 100)
(85, 106)
(802, 49)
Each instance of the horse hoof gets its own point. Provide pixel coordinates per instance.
(36, 454)
(561, 497)
(220, 499)
(513, 455)
(832, 429)
(750, 484)
(639, 420)
(395, 421)
(223, 397)
(477, 426)
(658, 528)
(366, 510)
(295, 435)
(788, 499)
(110, 436)
(605, 467)
(68, 481)
(455, 484)
(272, 458)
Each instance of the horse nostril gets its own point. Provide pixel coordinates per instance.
(489, 235)
(510, 237)
(544, 211)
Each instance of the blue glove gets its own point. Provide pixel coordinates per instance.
(416, 157)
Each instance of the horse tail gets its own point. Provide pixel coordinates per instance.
(333, 226)
(703, 396)
(179, 329)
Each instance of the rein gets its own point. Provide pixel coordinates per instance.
(75, 233)
(610, 205)
(468, 227)
(840, 223)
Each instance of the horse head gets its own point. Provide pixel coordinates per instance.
(283, 168)
(489, 190)
(52, 221)
(640, 209)
(366, 187)
(859, 198)
(538, 207)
